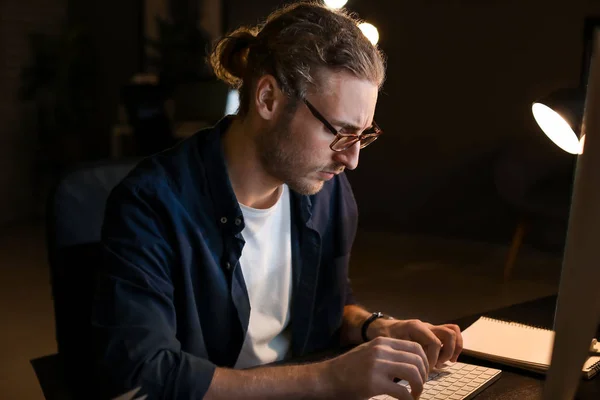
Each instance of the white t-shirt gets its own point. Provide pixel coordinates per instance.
(266, 264)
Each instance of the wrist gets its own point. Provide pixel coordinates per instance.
(331, 385)
(379, 327)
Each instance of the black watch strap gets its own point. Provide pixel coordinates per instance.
(365, 325)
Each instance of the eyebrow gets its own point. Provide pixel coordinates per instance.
(352, 127)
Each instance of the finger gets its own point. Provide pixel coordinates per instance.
(452, 341)
(409, 373)
(398, 391)
(423, 335)
(459, 341)
(418, 360)
(407, 346)
(448, 338)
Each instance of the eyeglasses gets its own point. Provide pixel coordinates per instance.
(344, 141)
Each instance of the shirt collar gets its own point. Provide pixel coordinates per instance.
(228, 212)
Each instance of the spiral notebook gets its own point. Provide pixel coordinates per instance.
(515, 345)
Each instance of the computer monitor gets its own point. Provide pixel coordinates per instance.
(578, 307)
(590, 24)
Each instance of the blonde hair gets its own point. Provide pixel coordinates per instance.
(293, 44)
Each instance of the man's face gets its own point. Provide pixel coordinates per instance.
(296, 150)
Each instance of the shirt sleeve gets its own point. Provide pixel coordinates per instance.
(133, 316)
(350, 298)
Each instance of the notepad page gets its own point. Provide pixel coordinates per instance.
(590, 363)
(509, 341)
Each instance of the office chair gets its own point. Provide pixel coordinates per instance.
(75, 214)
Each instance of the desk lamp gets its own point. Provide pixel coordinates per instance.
(578, 306)
(560, 115)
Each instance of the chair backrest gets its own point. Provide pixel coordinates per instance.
(74, 220)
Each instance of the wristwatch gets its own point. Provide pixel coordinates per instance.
(365, 325)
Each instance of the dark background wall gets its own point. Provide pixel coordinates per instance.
(461, 78)
(114, 31)
(17, 139)
(115, 28)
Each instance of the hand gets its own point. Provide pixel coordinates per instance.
(369, 370)
(441, 342)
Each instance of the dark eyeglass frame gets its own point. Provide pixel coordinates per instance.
(366, 137)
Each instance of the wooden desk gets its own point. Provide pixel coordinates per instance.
(516, 384)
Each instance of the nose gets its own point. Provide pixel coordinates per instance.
(348, 157)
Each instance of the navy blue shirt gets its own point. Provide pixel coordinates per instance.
(171, 304)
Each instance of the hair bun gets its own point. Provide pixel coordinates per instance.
(229, 58)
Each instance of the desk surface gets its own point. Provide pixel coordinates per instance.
(516, 384)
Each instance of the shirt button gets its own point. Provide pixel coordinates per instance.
(238, 221)
(223, 220)
(228, 266)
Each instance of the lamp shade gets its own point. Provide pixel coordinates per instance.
(560, 116)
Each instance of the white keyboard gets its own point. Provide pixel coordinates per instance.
(458, 381)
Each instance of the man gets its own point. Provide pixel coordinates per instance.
(230, 251)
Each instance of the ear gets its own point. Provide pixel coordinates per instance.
(268, 98)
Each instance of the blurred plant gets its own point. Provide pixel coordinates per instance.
(179, 52)
(58, 81)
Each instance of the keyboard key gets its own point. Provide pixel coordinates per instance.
(453, 383)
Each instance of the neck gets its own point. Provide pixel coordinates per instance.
(252, 185)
